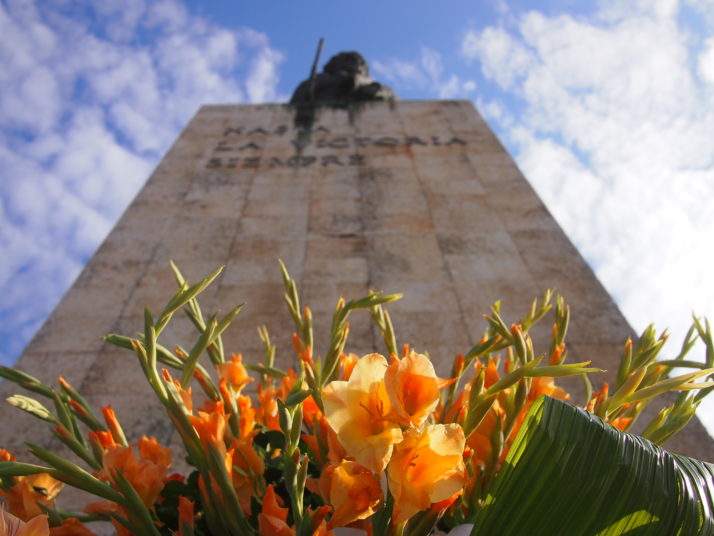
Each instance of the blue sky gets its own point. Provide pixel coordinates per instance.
(607, 106)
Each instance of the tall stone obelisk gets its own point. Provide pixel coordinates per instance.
(415, 197)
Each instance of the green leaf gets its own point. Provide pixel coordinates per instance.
(22, 469)
(296, 397)
(568, 472)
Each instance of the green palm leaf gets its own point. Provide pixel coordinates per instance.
(570, 473)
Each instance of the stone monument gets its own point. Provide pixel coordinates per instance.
(416, 197)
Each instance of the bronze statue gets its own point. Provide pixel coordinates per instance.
(344, 79)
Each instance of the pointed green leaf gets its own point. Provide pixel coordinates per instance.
(568, 472)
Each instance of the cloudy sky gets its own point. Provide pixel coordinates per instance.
(607, 106)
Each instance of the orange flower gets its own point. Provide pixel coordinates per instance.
(6, 456)
(186, 397)
(12, 526)
(545, 385)
(246, 469)
(335, 451)
(348, 362)
(272, 517)
(413, 387)
(71, 527)
(286, 383)
(28, 492)
(426, 467)
(311, 412)
(621, 423)
(246, 417)
(542, 385)
(113, 424)
(210, 425)
(185, 517)
(267, 411)
(358, 411)
(109, 507)
(352, 490)
(102, 439)
(491, 375)
(151, 450)
(146, 475)
(234, 373)
(480, 439)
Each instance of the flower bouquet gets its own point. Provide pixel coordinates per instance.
(377, 444)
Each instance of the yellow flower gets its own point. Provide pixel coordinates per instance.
(352, 490)
(413, 387)
(426, 467)
(12, 526)
(358, 410)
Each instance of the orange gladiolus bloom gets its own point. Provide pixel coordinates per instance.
(426, 467)
(352, 490)
(311, 412)
(151, 450)
(234, 373)
(267, 410)
(348, 362)
(358, 411)
(413, 387)
(246, 469)
(272, 517)
(186, 396)
(211, 425)
(146, 475)
(102, 438)
(12, 526)
(287, 383)
(71, 527)
(185, 514)
(113, 423)
(480, 439)
(246, 417)
(23, 498)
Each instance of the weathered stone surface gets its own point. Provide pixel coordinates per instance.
(413, 197)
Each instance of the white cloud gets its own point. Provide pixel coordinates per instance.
(469, 85)
(503, 59)
(93, 94)
(615, 135)
(424, 73)
(705, 62)
(398, 71)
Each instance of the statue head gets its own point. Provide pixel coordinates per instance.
(344, 79)
(348, 64)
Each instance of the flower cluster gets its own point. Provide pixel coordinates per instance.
(378, 444)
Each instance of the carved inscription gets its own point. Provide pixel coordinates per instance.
(294, 161)
(239, 146)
